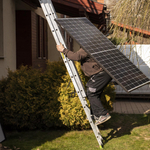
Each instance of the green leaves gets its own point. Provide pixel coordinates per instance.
(28, 97)
(31, 99)
(71, 111)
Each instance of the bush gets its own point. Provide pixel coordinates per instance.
(28, 98)
(71, 111)
(108, 96)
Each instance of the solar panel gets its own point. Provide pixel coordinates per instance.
(104, 52)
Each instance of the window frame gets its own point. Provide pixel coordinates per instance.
(42, 38)
(1, 31)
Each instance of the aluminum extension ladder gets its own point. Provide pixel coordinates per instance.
(50, 15)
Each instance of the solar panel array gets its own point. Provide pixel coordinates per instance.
(104, 52)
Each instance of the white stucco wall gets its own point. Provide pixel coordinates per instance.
(53, 54)
(9, 38)
(1, 30)
(8, 23)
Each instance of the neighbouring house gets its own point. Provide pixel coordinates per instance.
(25, 37)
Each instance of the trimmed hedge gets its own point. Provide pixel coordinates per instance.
(30, 99)
(71, 111)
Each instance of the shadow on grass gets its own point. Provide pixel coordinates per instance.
(27, 140)
(122, 124)
(119, 125)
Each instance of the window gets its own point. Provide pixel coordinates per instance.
(42, 38)
(45, 43)
(67, 38)
(1, 30)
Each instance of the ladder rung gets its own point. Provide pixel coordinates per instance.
(50, 15)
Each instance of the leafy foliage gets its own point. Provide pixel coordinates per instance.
(28, 98)
(71, 111)
(132, 19)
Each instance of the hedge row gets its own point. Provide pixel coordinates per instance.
(72, 112)
(30, 99)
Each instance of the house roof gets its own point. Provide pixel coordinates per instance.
(33, 3)
(77, 8)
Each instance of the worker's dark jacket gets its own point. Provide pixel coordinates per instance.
(88, 65)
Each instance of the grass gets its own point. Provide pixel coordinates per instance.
(121, 132)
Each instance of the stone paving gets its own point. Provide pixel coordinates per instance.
(132, 107)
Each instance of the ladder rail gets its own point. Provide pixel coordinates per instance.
(69, 64)
(50, 15)
(58, 38)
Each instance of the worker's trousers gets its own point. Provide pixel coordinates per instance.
(95, 87)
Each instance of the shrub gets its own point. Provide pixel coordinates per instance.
(52, 81)
(71, 111)
(108, 96)
(28, 98)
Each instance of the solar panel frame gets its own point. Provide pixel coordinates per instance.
(104, 52)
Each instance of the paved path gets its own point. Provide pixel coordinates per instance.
(132, 107)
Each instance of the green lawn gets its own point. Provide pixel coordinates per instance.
(122, 132)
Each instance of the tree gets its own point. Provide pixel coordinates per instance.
(132, 18)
